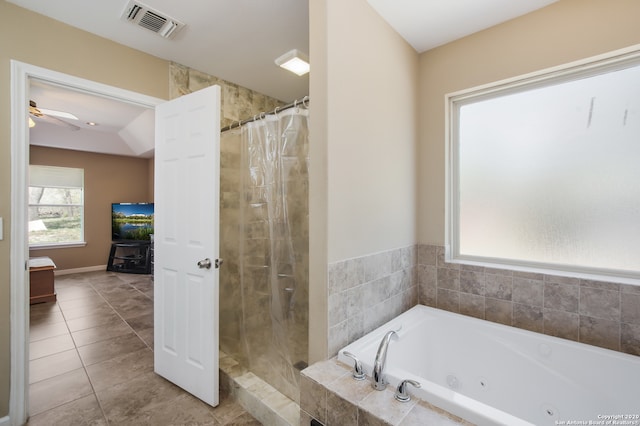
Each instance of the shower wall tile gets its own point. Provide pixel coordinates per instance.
(237, 103)
(246, 333)
(370, 290)
(605, 314)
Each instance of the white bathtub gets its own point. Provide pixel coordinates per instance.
(492, 374)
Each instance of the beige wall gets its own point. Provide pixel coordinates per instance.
(562, 32)
(318, 273)
(34, 39)
(107, 179)
(362, 144)
(371, 133)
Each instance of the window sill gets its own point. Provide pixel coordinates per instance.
(58, 245)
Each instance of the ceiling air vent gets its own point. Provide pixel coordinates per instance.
(146, 17)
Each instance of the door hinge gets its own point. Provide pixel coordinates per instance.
(218, 263)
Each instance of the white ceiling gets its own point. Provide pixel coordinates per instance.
(236, 40)
(426, 24)
(122, 129)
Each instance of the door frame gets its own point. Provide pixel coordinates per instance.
(21, 76)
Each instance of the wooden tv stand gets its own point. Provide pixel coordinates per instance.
(41, 280)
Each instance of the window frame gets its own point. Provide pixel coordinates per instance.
(595, 65)
(63, 244)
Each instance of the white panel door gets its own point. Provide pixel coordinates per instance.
(187, 165)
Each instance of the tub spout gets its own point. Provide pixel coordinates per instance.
(378, 381)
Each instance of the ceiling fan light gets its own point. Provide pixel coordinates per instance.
(294, 61)
(31, 123)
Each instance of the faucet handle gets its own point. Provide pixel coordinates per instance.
(402, 394)
(358, 372)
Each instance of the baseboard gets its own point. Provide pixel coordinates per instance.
(5, 421)
(78, 271)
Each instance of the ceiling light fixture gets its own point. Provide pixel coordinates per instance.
(92, 123)
(31, 123)
(294, 61)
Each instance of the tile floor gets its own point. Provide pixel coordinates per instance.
(91, 360)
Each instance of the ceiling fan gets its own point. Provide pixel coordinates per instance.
(51, 116)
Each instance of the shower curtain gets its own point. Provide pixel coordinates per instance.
(264, 292)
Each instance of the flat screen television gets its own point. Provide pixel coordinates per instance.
(131, 221)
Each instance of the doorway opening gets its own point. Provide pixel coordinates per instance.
(22, 77)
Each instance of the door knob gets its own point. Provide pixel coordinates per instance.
(204, 263)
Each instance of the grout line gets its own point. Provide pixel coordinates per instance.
(93, 389)
(84, 366)
(118, 313)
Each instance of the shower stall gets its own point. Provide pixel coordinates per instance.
(264, 241)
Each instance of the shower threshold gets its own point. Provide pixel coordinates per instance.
(256, 396)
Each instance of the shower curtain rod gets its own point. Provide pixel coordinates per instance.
(304, 102)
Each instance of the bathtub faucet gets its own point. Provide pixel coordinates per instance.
(377, 376)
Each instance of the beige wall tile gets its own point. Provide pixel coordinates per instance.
(527, 291)
(599, 303)
(630, 312)
(561, 324)
(561, 297)
(528, 317)
(630, 338)
(497, 310)
(600, 332)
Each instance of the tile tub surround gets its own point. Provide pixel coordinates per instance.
(366, 292)
(331, 396)
(604, 314)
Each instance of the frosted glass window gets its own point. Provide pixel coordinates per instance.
(547, 173)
